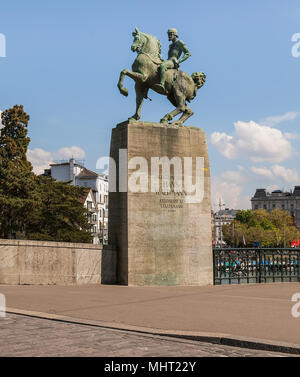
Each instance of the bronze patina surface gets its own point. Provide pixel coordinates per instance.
(149, 71)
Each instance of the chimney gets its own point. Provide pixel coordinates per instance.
(72, 172)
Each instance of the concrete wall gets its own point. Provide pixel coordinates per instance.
(44, 263)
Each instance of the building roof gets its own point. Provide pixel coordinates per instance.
(87, 174)
(276, 194)
(86, 191)
(296, 191)
(64, 162)
(227, 212)
(260, 193)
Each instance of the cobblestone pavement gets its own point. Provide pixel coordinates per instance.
(27, 336)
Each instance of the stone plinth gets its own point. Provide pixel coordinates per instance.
(160, 238)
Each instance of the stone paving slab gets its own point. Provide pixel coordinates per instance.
(26, 336)
(253, 312)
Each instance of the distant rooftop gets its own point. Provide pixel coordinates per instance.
(85, 173)
(227, 212)
(262, 193)
(67, 162)
(297, 191)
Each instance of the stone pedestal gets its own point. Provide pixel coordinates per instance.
(161, 237)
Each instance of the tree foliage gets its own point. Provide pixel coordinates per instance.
(270, 229)
(34, 207)
(61, 216)
(17, 181)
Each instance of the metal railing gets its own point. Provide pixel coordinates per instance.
(255, 265)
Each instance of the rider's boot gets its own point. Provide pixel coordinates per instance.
(162, 80)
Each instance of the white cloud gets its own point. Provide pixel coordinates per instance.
(288, 175)
(276, 119)
(277, 172)
(259, 143)
(233, 176)
(265, 172)
(227, 188)
(66, 153)
(41, 159)
(224, 144)
(230, 193)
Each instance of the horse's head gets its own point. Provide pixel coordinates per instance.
(138, 41)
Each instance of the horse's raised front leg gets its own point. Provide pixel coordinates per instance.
(134, 75)
(140, 91)
(122, 90)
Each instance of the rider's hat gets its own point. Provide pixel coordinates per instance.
(173, 30)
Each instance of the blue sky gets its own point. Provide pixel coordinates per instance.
(64, 58)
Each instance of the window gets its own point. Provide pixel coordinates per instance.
(265, 206)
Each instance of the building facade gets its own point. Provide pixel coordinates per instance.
(75, 173)
(278, 199)
(89, 203)
(222, 217)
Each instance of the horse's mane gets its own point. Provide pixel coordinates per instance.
(155, 40)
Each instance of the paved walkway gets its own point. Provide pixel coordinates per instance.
(26, 336)
(248, 312)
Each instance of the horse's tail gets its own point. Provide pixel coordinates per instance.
(199, 79)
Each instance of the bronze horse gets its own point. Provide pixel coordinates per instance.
(180, 86)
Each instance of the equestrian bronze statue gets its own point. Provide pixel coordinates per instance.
(149, 71)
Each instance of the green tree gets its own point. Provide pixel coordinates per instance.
(61, 215)
(244, 216)
(34, 207)
(17, 182)
(272, 229)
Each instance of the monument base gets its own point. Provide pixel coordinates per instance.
(160, 237)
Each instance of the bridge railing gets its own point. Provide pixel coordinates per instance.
(256, 265)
